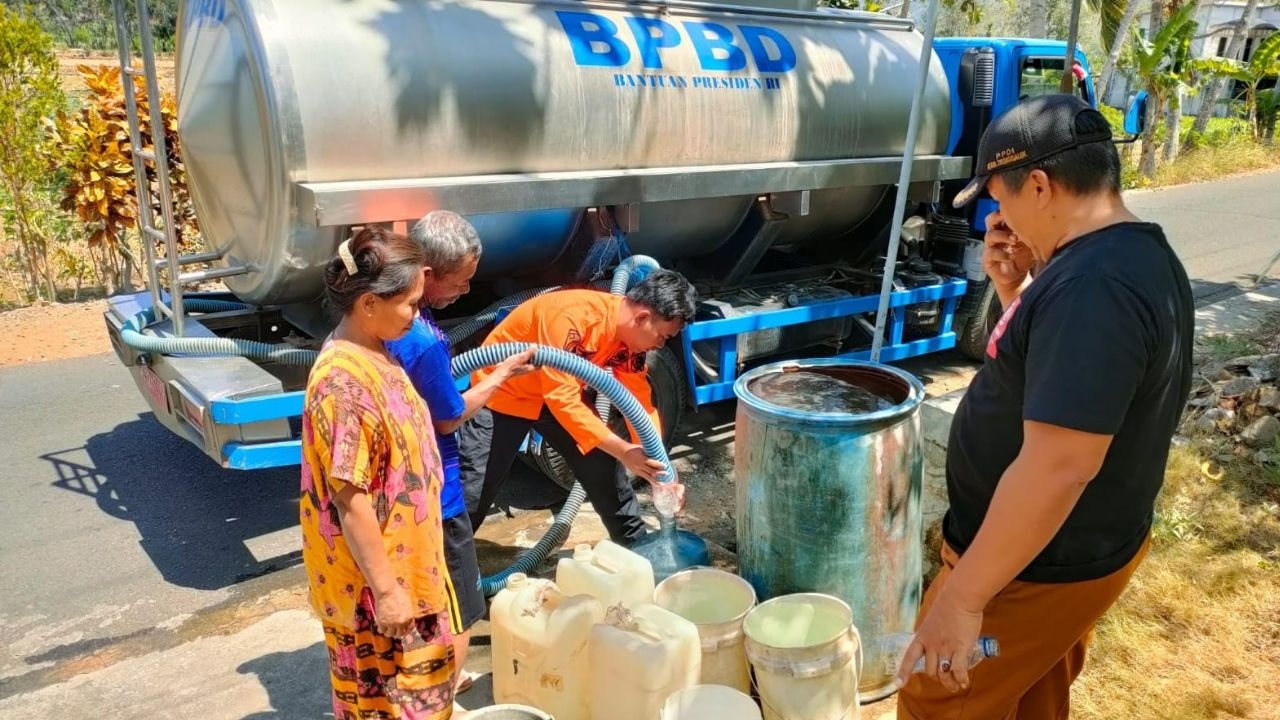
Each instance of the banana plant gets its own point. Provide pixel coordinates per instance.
(1264, 63)
(1161, 65)
(1268, 114)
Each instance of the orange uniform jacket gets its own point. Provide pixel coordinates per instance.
(583, 322)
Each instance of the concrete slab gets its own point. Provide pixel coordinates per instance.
(275, 668)
(935, 422)
(1239, 314)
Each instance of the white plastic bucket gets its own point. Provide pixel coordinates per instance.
(709, 702)
(716, 602)
(806, 654)
(508, 712)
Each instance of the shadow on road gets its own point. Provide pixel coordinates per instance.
(204, 527)
(1207, 292)
(297, 683)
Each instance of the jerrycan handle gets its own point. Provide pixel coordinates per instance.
(621, 617)
(546, 595)
(585, 554)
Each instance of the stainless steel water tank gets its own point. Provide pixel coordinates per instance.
(275, 94)
(829, 501)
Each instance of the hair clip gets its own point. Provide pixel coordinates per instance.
(349, 260)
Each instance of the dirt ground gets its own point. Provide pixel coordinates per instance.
(53, 332)
(69, 60)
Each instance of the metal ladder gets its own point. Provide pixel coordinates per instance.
(172, 262)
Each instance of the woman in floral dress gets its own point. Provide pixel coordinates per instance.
(370, 506)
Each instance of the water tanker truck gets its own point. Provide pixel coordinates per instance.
(754, 147)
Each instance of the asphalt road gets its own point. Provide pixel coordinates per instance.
(110, 525)
(1224, 232)
(111, 528)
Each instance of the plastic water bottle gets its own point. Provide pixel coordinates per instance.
(665, 500)
(895, 647)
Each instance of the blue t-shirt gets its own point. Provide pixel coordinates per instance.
(424, 353)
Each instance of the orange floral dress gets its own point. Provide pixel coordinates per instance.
(363, 424)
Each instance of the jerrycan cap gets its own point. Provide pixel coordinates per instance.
(516, 580)
(583, 552)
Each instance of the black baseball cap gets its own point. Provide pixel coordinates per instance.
(1027, 133)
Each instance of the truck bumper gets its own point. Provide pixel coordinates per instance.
(230, 407)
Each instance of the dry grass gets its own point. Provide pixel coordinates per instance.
(1208, 163)
(1197, 633)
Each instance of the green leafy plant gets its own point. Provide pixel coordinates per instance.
(1264, 63)
(1161, 67)
(29, 92)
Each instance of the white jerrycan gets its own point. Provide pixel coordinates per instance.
(540, 638)
(639, 657)
(608, 572)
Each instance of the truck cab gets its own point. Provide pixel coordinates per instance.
(988, 76)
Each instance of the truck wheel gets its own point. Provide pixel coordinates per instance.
(670, 393)
(978, 322)
(670, 390)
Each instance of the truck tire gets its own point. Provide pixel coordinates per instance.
(977, 321)
(670, 393)
(670, 390)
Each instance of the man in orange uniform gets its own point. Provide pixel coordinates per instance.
(612, 331)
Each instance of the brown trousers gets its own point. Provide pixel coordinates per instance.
(1043, 629)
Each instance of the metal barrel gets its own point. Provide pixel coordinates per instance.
(829, 502)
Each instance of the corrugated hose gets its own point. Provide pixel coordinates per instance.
(608, 389)
(605, 384)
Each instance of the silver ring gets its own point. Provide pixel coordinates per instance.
(944, 665)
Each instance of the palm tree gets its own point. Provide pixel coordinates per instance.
(1117, 17)
(1235, 46)
(1264, 63)
(1159, 65)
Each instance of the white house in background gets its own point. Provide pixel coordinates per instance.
(1216, 19)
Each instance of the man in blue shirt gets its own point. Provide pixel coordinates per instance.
(452, 248)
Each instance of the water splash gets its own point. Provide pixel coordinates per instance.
(671, 550)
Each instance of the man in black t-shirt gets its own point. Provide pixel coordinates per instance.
(1059, 447)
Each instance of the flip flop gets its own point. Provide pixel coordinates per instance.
(466, 683)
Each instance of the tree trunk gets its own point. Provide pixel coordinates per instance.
(105, 261)
(38, 276)
(1156, 20)
(48, 273)
(1068, 57)
(131, 267)
(1147, 165)
(1251, 101)
(1037, 18)
(1207, 103)
(1235, 48)
(1269, 132)
(1173, 126)
(1113, 57)
(1155, 103)
(32, 276)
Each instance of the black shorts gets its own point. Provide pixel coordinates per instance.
(467, 605)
